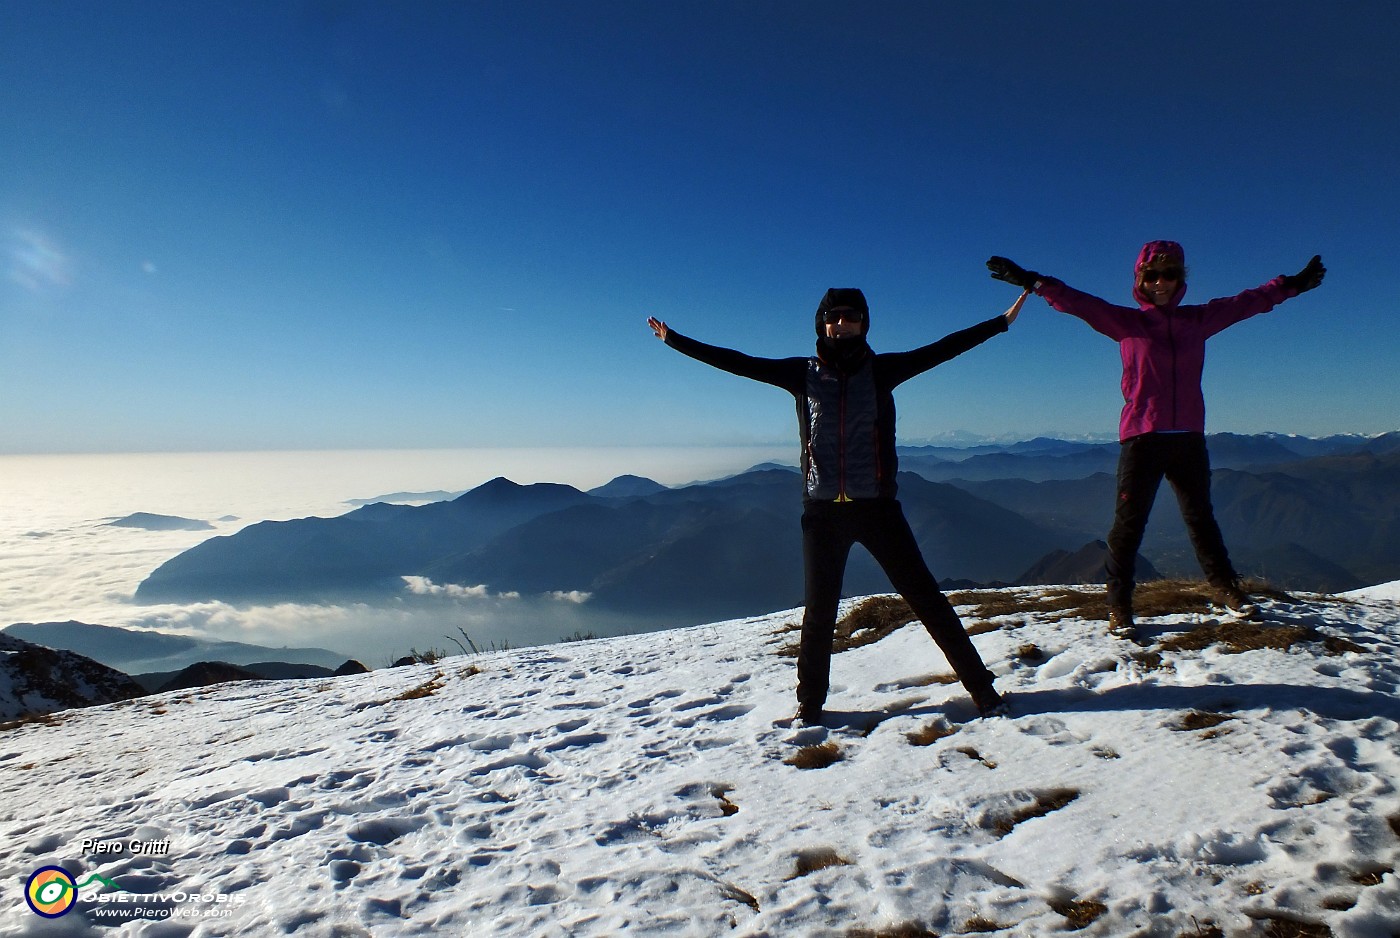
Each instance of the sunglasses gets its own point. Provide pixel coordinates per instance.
(1171, 274)
(833, 316)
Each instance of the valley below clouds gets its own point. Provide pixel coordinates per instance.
(297, 550)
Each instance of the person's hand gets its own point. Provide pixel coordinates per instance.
(658, 327)
(1309, 277)
(1015, 309)
(1008, 271)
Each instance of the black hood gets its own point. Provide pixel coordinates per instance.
(843, 296)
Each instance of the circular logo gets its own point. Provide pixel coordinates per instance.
(50, 892)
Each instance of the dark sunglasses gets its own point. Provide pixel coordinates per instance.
(1172, 274)
(833, 316)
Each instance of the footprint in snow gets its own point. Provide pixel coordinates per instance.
(1053, 731)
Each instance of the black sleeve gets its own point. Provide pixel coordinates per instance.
(895, 368)
(790, 374)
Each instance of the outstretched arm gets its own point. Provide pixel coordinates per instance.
(1225, 312)
(790, 374)
(1015, 310)
(1103, 317)
(894, 368)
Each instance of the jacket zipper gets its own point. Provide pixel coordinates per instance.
(1171, 340)
(879, 461)
(841, 447)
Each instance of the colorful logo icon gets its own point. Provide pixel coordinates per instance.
(51, 892)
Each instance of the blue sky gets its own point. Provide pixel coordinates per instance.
(276, 225)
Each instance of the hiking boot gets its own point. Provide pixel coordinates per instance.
(1121, 624)
(990, 704)
(810, 714)
(1233, 596)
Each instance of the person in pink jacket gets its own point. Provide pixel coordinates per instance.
(1162, 429)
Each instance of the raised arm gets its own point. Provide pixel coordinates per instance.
(790, 374)
(1222, 313)
(1103, 316)
(895, 368)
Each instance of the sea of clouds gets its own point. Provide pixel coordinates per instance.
(62, 559)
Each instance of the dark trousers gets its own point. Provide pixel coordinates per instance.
(1142, 463)
(828, 531)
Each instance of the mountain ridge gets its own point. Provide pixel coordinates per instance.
(1328, 521)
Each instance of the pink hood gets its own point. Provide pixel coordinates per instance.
(1154, 249)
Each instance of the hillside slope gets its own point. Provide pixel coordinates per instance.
(645, 786)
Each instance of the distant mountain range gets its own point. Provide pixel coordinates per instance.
(1043, 459)
(1305, 513)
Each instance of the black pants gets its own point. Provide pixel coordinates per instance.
(828, 532)
(1142, 463)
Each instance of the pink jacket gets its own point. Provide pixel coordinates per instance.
(1163, 348)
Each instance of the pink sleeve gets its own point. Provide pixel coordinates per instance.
(1218, 315)
(1113, 321)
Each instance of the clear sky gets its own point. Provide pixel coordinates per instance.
(281, 225)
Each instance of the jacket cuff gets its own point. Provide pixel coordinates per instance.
(1280, 286)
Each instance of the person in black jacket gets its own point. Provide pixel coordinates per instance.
(846, 418)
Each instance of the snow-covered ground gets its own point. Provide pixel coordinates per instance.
(640, 786)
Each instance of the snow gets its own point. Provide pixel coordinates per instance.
(1384, 591)
(639, 786)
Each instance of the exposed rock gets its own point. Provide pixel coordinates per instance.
(36, 680)
(205, 673)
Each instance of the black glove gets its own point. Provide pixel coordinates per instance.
(1307, 278)
(1003, 269)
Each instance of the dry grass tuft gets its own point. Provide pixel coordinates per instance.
(1207, 929)
(811, 861)
(1045, 802)
(931, 733)
(872, 620)
(816, 757)
(1172, 597)
(942, 679)
(1056, 602)
(878, 616)
(902, 930)
(1030, 652)
(1081, 913)
(727, 808)
(978, 925)
(1153, 598)
(976, 756)
(1201, 720)
(1151, 661)
(426, 689)
(1279, 926)
(737, 894)
(1371, 877)
(40, 719)
(865, 624)
(1236, 637)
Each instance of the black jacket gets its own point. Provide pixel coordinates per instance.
(845, 415)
